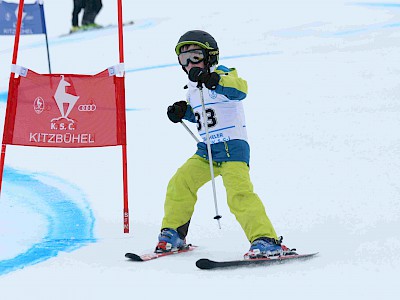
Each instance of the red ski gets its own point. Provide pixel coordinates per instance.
(151, 256)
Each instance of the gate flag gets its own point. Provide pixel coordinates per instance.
(66, 110)
(32, 18)
(32, 21)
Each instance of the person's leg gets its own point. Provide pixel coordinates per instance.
(78, 6)
(92, 8)
(244, 203)
(181, 194)
(97, 5)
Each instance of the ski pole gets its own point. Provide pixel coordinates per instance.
(190, 132)
(217, 216)
(170, 109)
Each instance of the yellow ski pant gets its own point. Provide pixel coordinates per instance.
(242, 201)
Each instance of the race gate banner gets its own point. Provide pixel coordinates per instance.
(32, 18)
(66, 110)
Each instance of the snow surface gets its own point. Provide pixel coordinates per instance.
(323, 121)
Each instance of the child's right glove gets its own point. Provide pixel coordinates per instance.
(201, 76)
(177, 111)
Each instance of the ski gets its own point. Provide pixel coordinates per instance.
(109, 26)
(151, 256)
(207, 264)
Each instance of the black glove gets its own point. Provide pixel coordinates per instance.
(201, 76)
(177, 111)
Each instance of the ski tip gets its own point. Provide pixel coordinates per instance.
(309, 254)
(133, 256)
(301, 256)
(205, 264)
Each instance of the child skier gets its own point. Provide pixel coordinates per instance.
(223, 91)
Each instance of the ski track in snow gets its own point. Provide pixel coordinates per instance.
(68, 221)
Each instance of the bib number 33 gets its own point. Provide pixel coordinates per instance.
(211, 119)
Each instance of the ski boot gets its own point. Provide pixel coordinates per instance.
(91, 26)
(169, 240)
(264, 247)
(74, 29)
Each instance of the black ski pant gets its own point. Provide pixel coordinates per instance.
(91, 9)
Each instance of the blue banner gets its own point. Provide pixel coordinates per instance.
(32, 18)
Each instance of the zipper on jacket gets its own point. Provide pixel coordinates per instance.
(227, 149)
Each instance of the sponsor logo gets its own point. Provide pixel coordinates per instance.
(63, 129)
(59, 138)
(38, 105)
(65, 101)
(212, 94)
(23, 14)
(87, 107)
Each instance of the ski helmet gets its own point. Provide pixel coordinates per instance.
(202, 39)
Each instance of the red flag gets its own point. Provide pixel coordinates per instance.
(66, 110)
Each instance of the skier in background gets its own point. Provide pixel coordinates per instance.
(223, 92)
(91, 9)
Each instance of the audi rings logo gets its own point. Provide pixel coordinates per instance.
(87, 107)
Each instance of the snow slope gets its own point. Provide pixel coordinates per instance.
(323, 121)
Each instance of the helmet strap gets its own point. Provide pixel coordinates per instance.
(207, 62)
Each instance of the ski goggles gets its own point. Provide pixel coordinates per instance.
(194, 56)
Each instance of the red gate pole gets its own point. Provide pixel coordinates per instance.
(124, 146)
(14, 61)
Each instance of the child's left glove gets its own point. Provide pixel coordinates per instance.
(177, 111)
(201, 76)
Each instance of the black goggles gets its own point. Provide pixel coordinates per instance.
(194, 56)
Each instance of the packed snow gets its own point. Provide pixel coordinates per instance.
(323, 122)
